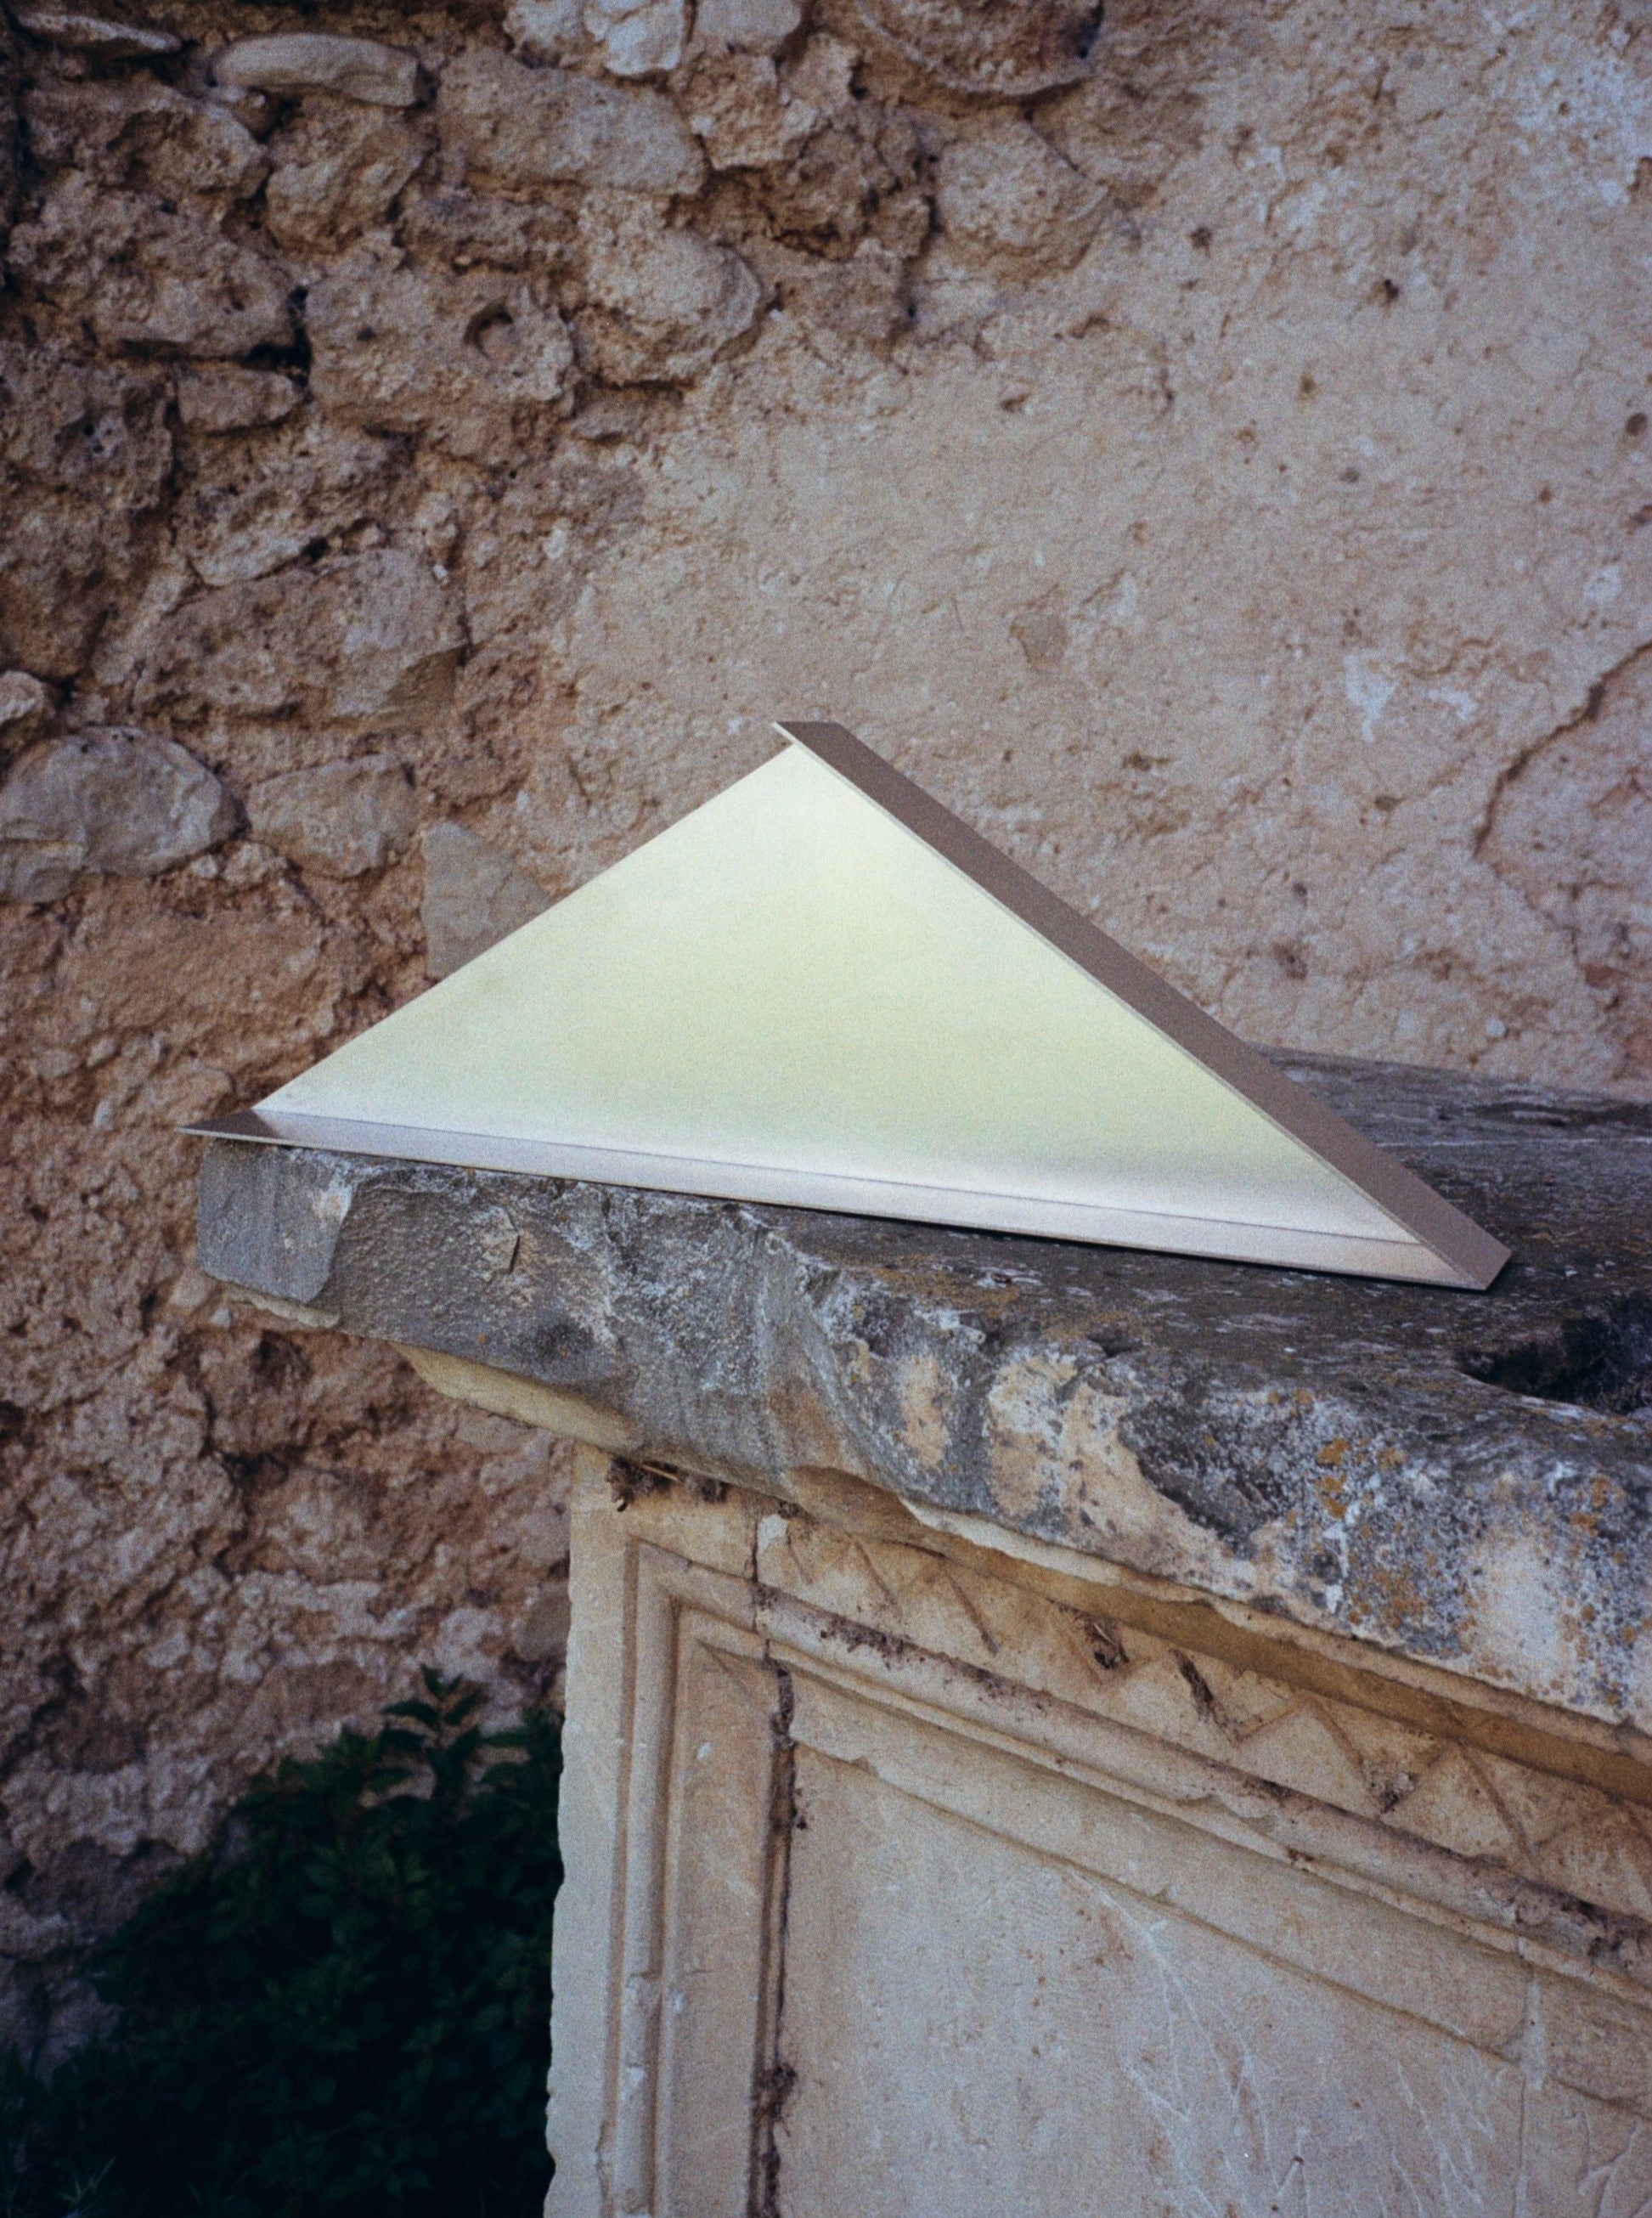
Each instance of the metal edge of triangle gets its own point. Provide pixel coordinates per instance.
(1472, 1255)
(1466, 1256)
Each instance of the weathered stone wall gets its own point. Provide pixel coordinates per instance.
(1211, 451)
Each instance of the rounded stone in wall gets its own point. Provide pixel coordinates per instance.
(1011, 48)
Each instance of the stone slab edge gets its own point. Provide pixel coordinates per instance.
(1311, 1449)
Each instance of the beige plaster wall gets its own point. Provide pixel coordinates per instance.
(1221, 470)
(1275, 580)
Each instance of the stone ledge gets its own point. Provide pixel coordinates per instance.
(1459, 1480)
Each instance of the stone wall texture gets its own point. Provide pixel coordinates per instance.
(1208, 444)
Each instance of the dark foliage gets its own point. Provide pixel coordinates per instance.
(342, 2007)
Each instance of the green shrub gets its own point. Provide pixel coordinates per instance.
(343, 2006)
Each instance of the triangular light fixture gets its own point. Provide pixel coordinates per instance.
(822, 988)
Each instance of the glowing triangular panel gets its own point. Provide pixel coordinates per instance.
(821, 988)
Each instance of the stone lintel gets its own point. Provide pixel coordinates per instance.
(1457, 1480)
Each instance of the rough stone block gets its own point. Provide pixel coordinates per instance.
(50, 399)
(466, 230)
(77, 505)
(404, 349)
(1009, 52)
(342, 818)
(359, 637)
(746, 116)
(521, 128)
(255, 506)
(97, 37)
(546, 30)
(113, 800)
(135, 129)
(862, 164)
(865, 301)
(339, 166)
(144, 276)
(318, 61)
(1007, 197)
(748, 27)
(225, 398)
(1447, 1479)
(664, 304)
(638, 38)
(25, 710)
